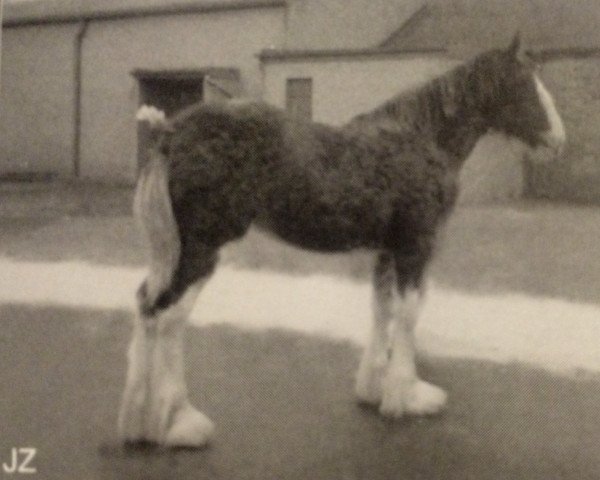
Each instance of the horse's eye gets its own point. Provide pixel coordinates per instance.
(535, 68)
(534, 62)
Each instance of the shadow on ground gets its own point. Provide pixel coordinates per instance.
(284, 409)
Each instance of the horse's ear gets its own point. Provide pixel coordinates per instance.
(515, 49)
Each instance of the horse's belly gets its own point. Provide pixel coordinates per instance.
(325, 233)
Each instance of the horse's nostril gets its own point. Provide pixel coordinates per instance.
(555, 144)
(554, 141)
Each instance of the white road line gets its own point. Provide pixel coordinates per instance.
(558, 335)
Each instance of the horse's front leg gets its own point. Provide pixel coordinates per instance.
(403, 392)
(375, 358)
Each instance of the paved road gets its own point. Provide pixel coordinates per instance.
(522, 374)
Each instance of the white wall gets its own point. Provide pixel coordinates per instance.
(112, 50)
(344, 87)
(37, 99)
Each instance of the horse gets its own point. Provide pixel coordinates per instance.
(385, 181)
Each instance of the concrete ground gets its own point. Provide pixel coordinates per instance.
(272, 348)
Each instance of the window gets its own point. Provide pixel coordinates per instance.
(298, 98)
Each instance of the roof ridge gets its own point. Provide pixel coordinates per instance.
(56, 11)
(407, 26)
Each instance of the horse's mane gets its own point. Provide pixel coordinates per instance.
(421, 108)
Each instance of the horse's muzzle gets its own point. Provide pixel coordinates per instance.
(554, 141)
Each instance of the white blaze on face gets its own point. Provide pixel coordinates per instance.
(556, 135)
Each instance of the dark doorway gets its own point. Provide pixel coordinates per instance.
(172, 90)
(166, 92)
(171, 94)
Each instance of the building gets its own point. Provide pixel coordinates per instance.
(75, 71)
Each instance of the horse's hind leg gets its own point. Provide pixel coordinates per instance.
(155, 407)
(403, 392)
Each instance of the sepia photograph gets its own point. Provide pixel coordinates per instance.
(300, 239)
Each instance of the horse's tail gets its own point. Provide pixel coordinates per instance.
(154, 212)
(155, 118)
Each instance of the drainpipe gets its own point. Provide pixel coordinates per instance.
(80, 35)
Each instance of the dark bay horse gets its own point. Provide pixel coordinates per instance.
(385, 182)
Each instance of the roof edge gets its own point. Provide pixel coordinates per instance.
(283, 55)
(410, 24)
(20, 16)
(185, 73)
(276, 55)
(550, 54)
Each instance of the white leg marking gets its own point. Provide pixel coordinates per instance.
(155, 406)
(556, 135)
(403, 391)
(375, 357)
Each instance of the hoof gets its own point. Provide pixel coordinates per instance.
(425, 399)
(369, 381)
(131, 419)
(419, 398)
(369, 391)
(190, 429)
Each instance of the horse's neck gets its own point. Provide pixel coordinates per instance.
(458, 136)
(421, 112)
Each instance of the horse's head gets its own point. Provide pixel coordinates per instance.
(520, 105)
